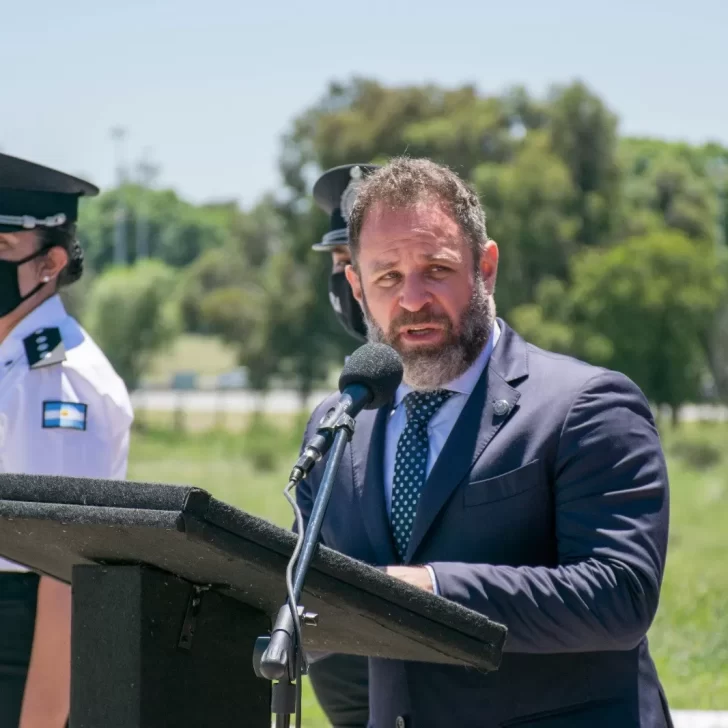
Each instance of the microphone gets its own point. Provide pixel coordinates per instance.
(369, 380)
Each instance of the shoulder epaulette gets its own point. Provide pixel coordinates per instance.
(44, 348)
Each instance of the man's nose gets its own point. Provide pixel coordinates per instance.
(414, 294)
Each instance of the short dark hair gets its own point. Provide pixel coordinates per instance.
(65, 237)
(404, 182)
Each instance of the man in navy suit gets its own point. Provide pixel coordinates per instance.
(528, 486)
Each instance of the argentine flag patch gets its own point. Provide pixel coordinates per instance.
(65, 415)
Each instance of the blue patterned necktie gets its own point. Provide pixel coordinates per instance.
(410, 462)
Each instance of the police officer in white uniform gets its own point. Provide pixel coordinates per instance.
(63, 411)
(341, 682)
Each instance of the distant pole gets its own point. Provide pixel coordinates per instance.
(120, 251)
(723, 177)
(118, 134)
(718, 171)
(147, 173)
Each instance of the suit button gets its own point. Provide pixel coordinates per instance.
(399, 723)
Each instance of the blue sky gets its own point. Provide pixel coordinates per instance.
(209, 87)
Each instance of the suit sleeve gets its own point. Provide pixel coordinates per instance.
(304, 495)
(611, 521)
(305, 499)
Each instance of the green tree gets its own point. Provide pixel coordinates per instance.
(302, 323)
(365, 121)
(528, 207)
(715, 342)
(584, 135)
(467, 130)
(644, 307)
(685, 187)
(666, 185)
(219, 269)
(550, 322)
(224, 279)
(131, 316)
(277, 314)
(177, 232)
(554, 179)
(238, 314)
(546, 169)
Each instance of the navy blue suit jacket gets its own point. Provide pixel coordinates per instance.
(551, 519)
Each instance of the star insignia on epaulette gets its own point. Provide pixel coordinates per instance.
(44, 348)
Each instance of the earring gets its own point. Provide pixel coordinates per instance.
(46, 279)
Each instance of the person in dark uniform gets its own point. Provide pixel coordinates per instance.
(334, 192)
(341, 682)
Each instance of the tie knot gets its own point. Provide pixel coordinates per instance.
(421, 406)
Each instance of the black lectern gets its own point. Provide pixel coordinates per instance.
(171, 588)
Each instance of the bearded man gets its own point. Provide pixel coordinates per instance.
(525, 485)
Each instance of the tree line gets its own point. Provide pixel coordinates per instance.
(613, 249)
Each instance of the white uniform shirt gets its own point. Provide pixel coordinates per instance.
(71, 417)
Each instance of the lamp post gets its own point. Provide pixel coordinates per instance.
(147, 173)
(717, 169)
(118, 134)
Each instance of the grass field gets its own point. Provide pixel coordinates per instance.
(689, 639)
(206, 355)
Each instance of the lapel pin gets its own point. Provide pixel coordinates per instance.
(500, 407)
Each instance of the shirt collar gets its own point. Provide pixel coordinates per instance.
(465, 383)
(50, 313)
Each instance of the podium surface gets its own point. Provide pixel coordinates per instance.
(181, 572)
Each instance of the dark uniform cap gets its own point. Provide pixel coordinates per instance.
(32, 196)
(334, 192)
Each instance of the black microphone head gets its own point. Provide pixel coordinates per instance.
(376, 367)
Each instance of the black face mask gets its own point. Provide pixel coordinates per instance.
(346, 307)
(10, 297)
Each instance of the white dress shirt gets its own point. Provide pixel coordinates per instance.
(442, 422)
(69, 418)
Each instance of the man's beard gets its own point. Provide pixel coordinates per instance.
(430, 367)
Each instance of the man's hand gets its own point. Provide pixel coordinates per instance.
(418, 576)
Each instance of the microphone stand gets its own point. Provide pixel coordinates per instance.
(278, 657)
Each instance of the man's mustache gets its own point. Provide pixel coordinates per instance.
(418, 318)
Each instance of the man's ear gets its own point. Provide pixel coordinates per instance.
(354, 281)
(489, 264)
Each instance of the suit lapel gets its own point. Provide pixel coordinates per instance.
(477, 425)
(367, 450)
